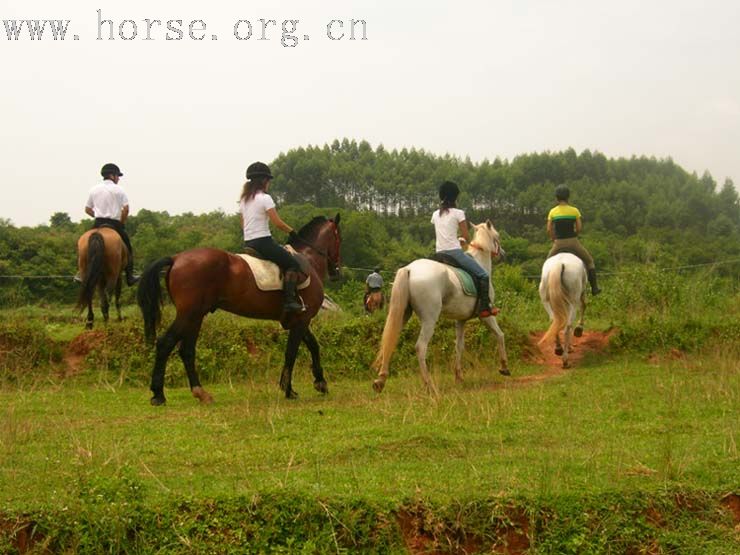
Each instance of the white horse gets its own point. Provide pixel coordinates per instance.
(563, 293)
(430, 288)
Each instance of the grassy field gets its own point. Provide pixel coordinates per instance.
(632, 451)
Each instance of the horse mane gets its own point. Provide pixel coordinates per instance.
(309, 231)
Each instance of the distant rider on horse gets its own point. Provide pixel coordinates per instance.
(257, 211)
(373, 284)
(448, 220)
(563, 226)
(108, 204)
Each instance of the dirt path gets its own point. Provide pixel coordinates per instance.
(589, 342)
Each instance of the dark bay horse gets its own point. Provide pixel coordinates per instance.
(101, 257)
(204, 280)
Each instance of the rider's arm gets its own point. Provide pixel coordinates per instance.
(463, 227)
(277, 221)
(550, 232)
(579, 226)
(124, 214)
(89, 211)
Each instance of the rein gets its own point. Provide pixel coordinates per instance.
(322, 252)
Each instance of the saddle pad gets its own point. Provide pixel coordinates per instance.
(466, 281)
(267, 274)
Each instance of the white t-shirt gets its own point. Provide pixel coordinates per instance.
(254, 215)
(107, 200)
(446, 227)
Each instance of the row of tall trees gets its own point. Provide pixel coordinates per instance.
(638, 210)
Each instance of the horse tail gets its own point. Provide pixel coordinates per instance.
(556, 294)
(94, 271)
(149, 297)
(395, 320)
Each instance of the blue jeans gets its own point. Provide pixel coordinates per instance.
(468, 264)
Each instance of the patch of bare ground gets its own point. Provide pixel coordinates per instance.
(423, 534)
(544, 355)
(78, 349)
(23, 535)
(731, 503)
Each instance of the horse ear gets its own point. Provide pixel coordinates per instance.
(336, 218)
(489, 225)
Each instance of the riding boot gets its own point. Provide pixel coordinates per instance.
(595, 290)
(290, 300)
(131, 279)
(484, 300)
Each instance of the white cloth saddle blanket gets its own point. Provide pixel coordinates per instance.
(267, 274)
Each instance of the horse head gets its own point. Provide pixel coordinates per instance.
(487, 239)
(322, 235)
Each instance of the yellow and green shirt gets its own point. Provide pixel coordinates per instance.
(563, 218)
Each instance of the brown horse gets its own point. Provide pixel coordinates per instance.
(374, 300)
(101, 257)
(204, 280)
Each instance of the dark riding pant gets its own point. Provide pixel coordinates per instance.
(120, 228)
(572, 245)
(269, 249)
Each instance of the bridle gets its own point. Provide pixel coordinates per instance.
(325, 253)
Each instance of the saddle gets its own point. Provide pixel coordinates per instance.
(268, 275)
(466, 280)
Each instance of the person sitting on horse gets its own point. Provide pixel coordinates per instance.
(257, 211)
(563, 226)
(108, 204)
(373, 283)
(448, 220)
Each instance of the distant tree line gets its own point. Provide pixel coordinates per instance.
(638, 210)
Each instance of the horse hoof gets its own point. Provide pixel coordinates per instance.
(558, 351)
(321, 387)
(378, 386)
(88, 326)
(566, 364)
(291, 394)
(504, 372)
(202, 395)
(578, 332)
(158, 401)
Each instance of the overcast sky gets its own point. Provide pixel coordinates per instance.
(491, 78)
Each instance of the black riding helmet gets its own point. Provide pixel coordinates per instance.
(562, 192)
(110, 169)
(258, 169)
(448, 191)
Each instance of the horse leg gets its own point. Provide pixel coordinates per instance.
(117, 297)
(425, 336)
(319, 382)
(578, 332)
(90, 315)
(558, 346)
(459, 349)
(494, 327)
(104, 303)
(291, 350)
(165, 344)
(187, 355)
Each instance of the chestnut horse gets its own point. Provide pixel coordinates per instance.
(374, 300)
(101, 256)
(204, 280)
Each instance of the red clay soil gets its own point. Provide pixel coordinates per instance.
(731, 502)
(22, 536)
(512, 538)
(589, 342)
(78, 349)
